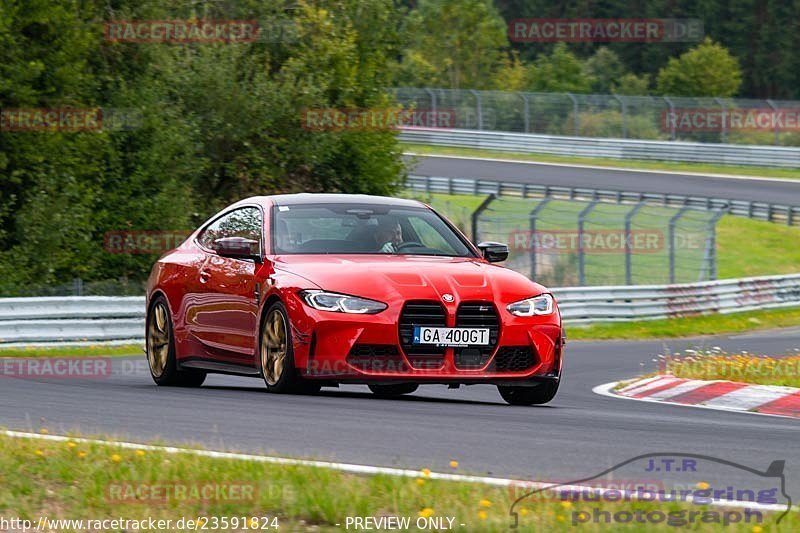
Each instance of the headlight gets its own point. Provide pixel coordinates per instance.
(341, 303)
(538, 305)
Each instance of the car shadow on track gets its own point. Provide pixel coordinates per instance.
(356, 395)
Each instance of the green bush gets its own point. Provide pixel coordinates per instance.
(609, 124)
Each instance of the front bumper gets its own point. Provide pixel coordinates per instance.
(369, 348)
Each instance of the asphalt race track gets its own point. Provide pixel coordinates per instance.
(571, 438)
(785, 192)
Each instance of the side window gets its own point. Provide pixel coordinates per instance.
(428, 236)
(244, 222)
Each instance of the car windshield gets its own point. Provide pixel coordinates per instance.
(363, 229)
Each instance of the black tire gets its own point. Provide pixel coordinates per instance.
(392, 391)
(161, 349)
(287, 380)
(538, 395)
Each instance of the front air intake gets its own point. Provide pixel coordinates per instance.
(421, 313)
(477, 315)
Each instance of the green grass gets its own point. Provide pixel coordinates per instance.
(700, 168)
(74, 480)
(756, 248)
(688, 326)
(73, 351)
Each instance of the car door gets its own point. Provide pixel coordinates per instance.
(224, 316)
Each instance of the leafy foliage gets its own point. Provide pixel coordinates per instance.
(453, 43)
(707, 70)
(217, 122)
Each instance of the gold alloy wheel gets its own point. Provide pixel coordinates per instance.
(158, 339)
(273, 347)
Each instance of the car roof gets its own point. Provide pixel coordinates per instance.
(324, 198)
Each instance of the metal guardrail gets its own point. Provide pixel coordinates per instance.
(104, 319)
(782, 214)
(63, 319)
(65, 307)
(647, 302)
(726, 154)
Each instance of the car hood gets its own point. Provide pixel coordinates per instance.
(407, 277)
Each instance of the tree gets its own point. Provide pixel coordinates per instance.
(512, 75)
(706, 70)
(452, 44)
(632, 85)
(218, 122)
(605, 67)
(561, 71)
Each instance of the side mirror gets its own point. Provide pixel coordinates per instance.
(238, 248)
(494, 252)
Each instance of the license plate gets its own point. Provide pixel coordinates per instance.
(451, 336)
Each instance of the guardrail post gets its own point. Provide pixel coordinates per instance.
(526, 112)
(710, 255)
(581, 255)
(534, 214)
(624, 110)
(477, 213)
(671, 118)
(672, 223)
(433, 101)
(724, 132)
(478, 108)
(575, 113)
(628, 218)
(774, 107)
(77, 287)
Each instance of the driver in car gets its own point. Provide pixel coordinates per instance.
(389, 236)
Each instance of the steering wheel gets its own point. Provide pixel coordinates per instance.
(410, 244)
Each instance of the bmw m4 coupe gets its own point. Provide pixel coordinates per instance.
(313, 290)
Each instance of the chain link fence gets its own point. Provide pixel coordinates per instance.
(572, 243)
(80, 287)
(712, 120)
(569, 243)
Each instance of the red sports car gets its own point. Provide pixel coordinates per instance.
(312, 290)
